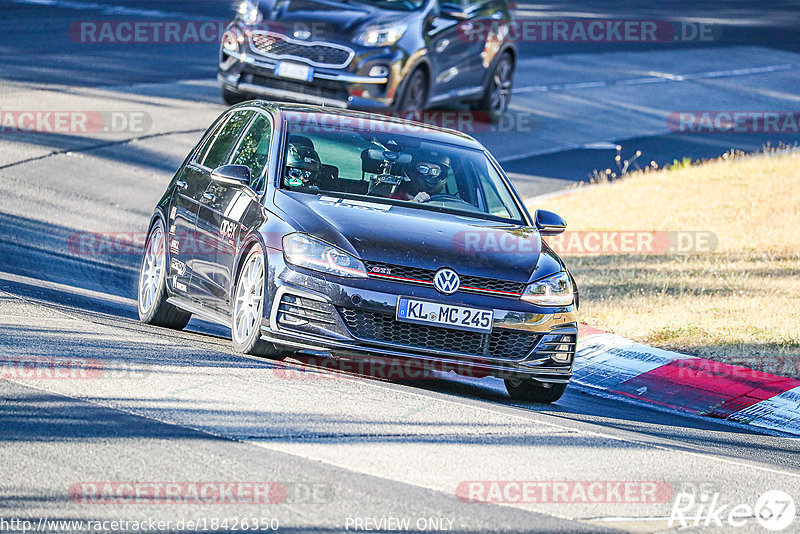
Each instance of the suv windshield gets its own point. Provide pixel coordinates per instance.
(395, 168)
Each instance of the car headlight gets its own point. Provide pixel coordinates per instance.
(306, 251)
(555, 290)
(249, 12)
(382, 36)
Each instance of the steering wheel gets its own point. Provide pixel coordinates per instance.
(444, 197)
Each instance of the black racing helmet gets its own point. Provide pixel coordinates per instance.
(302, 165)
(432, 167)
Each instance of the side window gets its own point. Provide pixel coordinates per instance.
(201, 152)
(253, 150)
(224, 139)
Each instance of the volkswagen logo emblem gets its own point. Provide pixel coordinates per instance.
(446, 281)
(301, 34)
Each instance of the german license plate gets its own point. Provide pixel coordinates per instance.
(295, 71)
(445, 315)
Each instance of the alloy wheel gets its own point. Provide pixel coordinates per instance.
(249, 299)
(152, 274)
(501, 86)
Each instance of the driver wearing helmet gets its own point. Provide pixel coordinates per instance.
(428, 175)
(302, 166)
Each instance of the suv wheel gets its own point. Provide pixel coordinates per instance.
(530, 390)
(415, 94)
(497, 95)
(232, 97)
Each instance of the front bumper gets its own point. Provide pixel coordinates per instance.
(310, 312)
(350, 86)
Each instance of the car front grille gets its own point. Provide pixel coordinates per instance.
(279, 46)
(384, 328)
(470, 284)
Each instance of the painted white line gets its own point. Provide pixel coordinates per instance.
(658, 77)
(111, 10)
(642, 81)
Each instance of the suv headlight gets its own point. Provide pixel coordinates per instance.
(306, 251)
(382, 36)
(555, 290)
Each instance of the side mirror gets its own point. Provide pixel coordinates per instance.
(453, 12)
(232, 174)
(549, 223)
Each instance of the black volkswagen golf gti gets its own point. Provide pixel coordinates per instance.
(360, 236)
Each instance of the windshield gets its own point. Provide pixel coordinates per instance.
(396, 169)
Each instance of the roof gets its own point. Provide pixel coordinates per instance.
(361, 120)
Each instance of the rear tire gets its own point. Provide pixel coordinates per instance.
(529, 390)
(152, 294)
(231, 97)
(497, 95)
(248, 309)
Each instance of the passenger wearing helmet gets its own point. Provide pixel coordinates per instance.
(302, 166)
(428, 175)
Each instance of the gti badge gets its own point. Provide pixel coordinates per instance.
(446, 281)
(301, 34)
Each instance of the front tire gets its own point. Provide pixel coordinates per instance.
(415, 93)
(152, 295)
(529, 390)
(248, 308)
(231, 97)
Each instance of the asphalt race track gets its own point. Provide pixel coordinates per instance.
(348, 451)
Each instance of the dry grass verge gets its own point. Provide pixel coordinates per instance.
(740, 303)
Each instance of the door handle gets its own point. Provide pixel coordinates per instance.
(209, 197)
(181, 184)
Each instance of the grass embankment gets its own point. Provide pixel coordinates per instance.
(739, 304)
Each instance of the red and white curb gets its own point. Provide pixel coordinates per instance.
(612, 365)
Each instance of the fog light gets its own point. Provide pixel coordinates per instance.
(291, 320)
(379, 71)
(229, 42)
(561, 357)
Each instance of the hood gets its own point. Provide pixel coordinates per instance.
(324, 18)
(421, 238)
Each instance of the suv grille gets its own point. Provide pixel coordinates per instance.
(471, 284)
(320, 55)
(382, 327)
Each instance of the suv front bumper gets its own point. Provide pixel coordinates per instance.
(348, 87)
